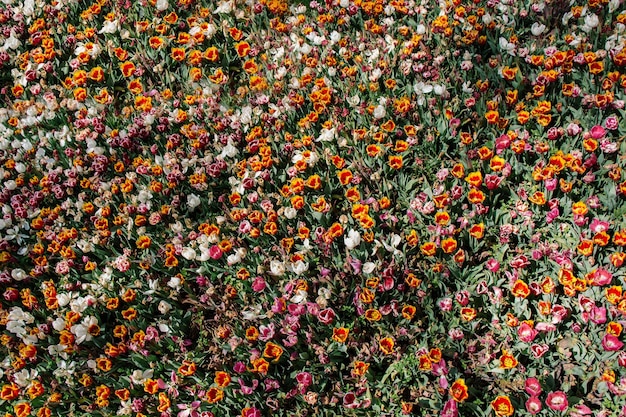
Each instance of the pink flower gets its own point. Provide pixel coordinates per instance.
(611, 343)
(450, 409)
(326, 316)
(349, 400)
(533, 405)
(215, 252)
(532, 387)
(597, 132)
(601, 277)
(526, 332)
(581, 410)
(598, 226)
(611, 123)
(492, 265)
(557, 400)
(258, 284)
(539, 350)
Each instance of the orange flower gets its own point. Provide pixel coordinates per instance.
(475, 179)
(360, 368)
(143, 242)
(151, 386)
(128, 68)
(250, 67)
(373, 314)
(222, 379)
(211, 54)
(502, 406)
(442, 218)
(178, 54)
(386, 345)
(408, 312)
(458, 391)
(96, 74)
(520, 289)
(388, 126)
(493, 117)
(9, 392)
(507, 361)
(579, 208)
(614, 328)
(272, 351)
(428, 248)
(260, 365)
(345, 176)
(585, 247)
(340, 334)
(477, 231)
(242, 48)
(187, 368)
(468, 313)
(235, 33)
(395, 161)
(80, 94)
(22, 409)
(213, 395)
(509, 73)
(156, 42)
(449, 245)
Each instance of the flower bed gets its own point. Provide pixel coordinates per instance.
(350, 208)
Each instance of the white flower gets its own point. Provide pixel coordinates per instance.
(189, 253)
(174, 283)
(80, 304)
(277, 268)
(326, 135)
(290, 212)
(439, 89)
(11, 42)
(369, 267)
(300, 267)
(229, 150)
(193, 201)
(298, 297)
(379, 112)
(139, 377)
(164, 307)
(111, 26)
(81, 331)
(162, 5)
(24, 377)
(19, 274)
(591, 21)
(354, 100)
(537, 28)
(352, 240)
(252, 313)
(392, 246)
(507, 46)
(58, 324)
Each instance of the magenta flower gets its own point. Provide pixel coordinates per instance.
(611, 343)
(597, 132)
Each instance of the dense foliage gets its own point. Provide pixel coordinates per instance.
(350, 207)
